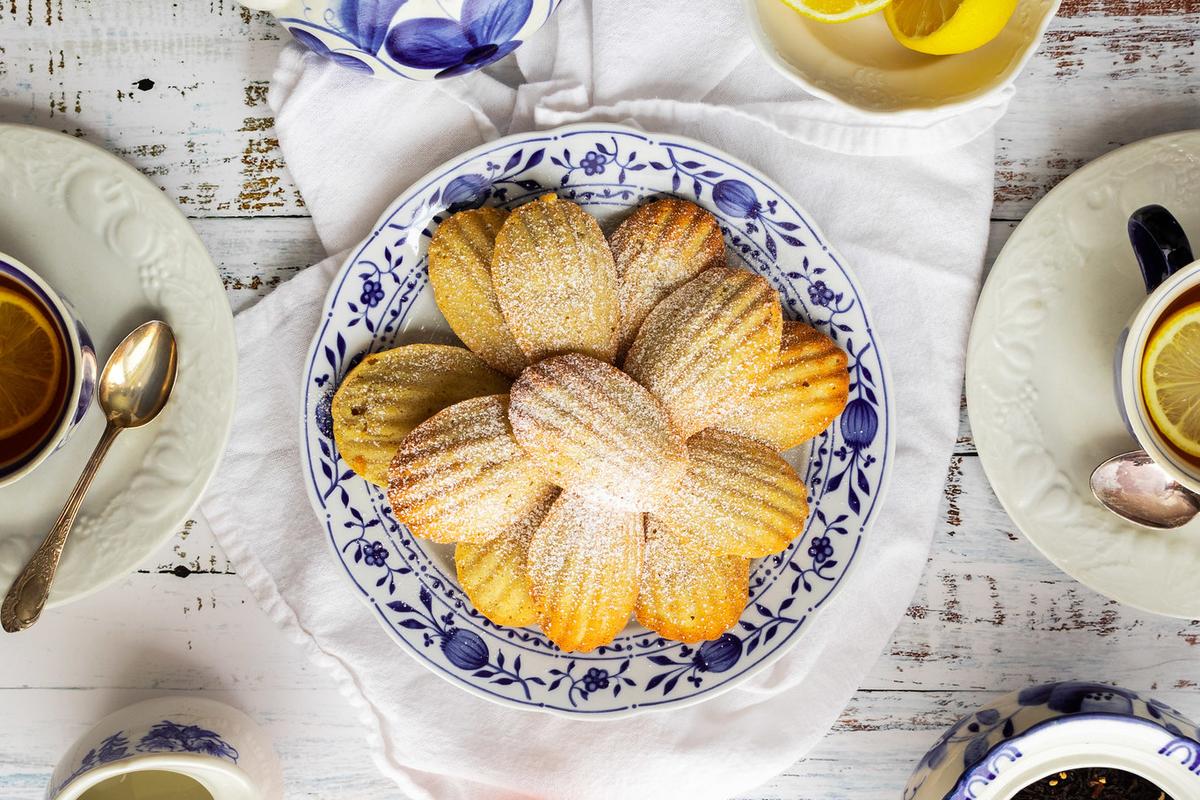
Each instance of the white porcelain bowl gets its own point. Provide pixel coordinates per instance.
(215, 745)
(860, 65)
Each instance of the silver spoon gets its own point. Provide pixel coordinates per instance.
(133, 389)
(1133, 487)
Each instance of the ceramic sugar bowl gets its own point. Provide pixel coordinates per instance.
(416, 39)
(1055, 727)
(184, 748)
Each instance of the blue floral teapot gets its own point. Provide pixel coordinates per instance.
(415, 39)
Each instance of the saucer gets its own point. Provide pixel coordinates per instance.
(859, 64)
(1040, 385)
(119, 251)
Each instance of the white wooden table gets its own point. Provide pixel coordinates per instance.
(179, 89)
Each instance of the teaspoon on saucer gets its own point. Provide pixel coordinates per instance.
(133, 389)
(1136, 489)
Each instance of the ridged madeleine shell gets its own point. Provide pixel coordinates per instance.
(390, 393)
(592, 428)
(688, 594)
(657, 249)
(704, 349)
(556, 281)
(460, 475)
(804, 392)
(584, 562)
(739, 497)
(460, 272)
(495, 573)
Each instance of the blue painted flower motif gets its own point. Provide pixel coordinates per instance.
(324, 413)
(718, 655)
(860, 423)
(483, 35)
(172, 737)
(1073, 697)
(466, 191)
(375, 554)
(113, 748)
(372, 293)
(593, 163)
(975, 730)
(595, 679)
(320, 48)
(820, 549)
(464, 649)
(736, 198)
(820, 294)
(366, 22)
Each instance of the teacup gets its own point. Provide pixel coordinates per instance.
(1020, 738)
(179, 747)
(412, 39)
(1169, 272)
(79, 364)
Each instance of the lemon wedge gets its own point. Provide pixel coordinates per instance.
(1171, 379)
(30, 362)
(837, 10)
(944, 27)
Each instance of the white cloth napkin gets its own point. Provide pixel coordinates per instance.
(906, 204)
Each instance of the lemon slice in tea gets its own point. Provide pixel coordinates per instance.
(1171, 379)
(837, 10)
(30, 362)
(944, 27)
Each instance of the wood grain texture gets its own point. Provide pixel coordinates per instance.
(180, 91)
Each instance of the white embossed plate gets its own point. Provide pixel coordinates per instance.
(381, 298)
(1040, 388)
(120, 252)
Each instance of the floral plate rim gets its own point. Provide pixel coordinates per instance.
(465, 645)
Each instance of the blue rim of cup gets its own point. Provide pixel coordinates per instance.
(66, 327)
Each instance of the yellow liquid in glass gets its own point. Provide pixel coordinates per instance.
(151, 784)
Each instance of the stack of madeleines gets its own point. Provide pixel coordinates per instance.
(610, 443)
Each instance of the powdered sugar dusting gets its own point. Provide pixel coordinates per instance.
(801, 395)
(740, 497)
(584, 563)
(590, 427)
(556, 281)
(461, 476)
(390, 393)
(708, 345)
(688, 593)
(658, 248)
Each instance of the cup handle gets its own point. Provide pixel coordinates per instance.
(1159, 243)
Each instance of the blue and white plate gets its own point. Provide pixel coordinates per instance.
(381, 298)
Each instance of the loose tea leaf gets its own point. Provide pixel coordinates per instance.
(1092, 783)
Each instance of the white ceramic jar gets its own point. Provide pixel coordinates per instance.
(1022, 737)
(415, 39)
(217, 746)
